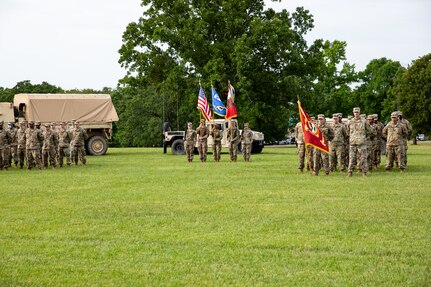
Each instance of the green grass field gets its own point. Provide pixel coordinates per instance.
(138, 217)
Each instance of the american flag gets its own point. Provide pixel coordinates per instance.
(203, 105)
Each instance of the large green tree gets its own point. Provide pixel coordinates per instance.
(263, 53)
(374, 94)
(413, 93)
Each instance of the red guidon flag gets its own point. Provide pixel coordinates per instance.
(312, 134)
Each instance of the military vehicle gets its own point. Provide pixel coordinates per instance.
(95, 112)
(174, 139)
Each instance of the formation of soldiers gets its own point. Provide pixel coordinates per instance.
(356, 145)
(200, 135)
(31, 146)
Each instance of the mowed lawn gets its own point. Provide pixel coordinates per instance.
(138, 217)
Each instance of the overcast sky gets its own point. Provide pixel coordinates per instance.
(74, 44)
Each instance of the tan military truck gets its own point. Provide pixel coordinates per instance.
(95, 112)
(174, 139)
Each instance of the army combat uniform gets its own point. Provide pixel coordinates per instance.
(50, 141)
(394, 133)
(322, 158)
(246, 142)
(5, 139)
(13, 145)
(217, 136)
(79, 136)
(21, 150)
(34, 141)
(233, 137)
(64, 139)
(299, 136)
(202, 133)
(358, 129)
(190, 141)
(337, 146)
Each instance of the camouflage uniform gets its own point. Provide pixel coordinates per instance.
(202, 133)
(64, 139)
(233, 137)
(34, 140)
(217, 136)
(378, 143)
(321, 157)
(50, 141)
(299, 136)
(21, 150)
(12, 153)
(371, 141)
(358, 129)
(394, 133)
(404, 145)
(190, 141)
(79, 136)
(246, 142)
(337, 145)
(5, 139)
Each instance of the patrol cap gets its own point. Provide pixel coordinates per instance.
(47, 125)
(37, 123)
(356, 110)
(202, 121)
(1, 122)
(370, 117)
(340, 115)
(23, 123)
(349, 117)
(246, 124)
(363, 116)
(376, 116)
(313, 118)
(394, 114)
(189, 124)
(31, 122)
(400, 113)
(320, 116)
(335, 116)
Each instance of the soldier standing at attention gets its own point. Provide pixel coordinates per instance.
(378, 144)
(48, 149)
(233, 137)
(337, 144)
(21, 153)
(394, 133)
(217, 136)
(299, 136)
(190, 141)
(321, 157)
(79, 136)
(371, 142)
(358, 130)
(246, 141)
(404, 146)
(64, 138)
(34, 140)
(13, 154)
(5, 139)
(202, 133)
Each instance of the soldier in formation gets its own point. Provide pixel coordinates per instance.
(337, 145)
(64, 139)
(217, 137)
(190, 141)
(394, 132)
(246, 142)
(322, 158)
(79, 136)
(233, 138)
(299, 136)
(202, 133)
(358, 129)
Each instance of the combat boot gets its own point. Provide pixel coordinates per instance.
(365, 174)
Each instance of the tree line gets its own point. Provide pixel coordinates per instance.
(263, 53)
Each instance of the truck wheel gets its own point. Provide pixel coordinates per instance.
(256, 148)
(97, 145)
(178, 147)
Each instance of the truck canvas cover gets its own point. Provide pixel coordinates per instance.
(66, 107)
